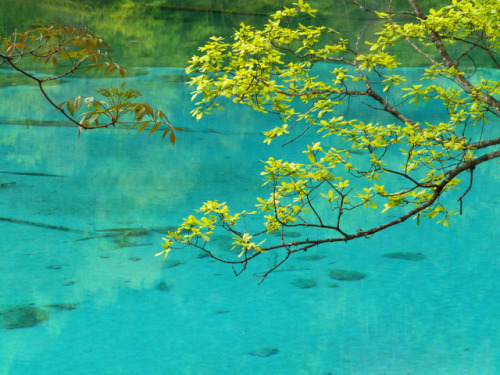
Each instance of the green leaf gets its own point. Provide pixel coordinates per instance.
(70, 107)
(77, 103)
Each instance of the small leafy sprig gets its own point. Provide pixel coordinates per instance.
(70, 49)
(117, 106)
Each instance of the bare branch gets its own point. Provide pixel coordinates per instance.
(484, 144)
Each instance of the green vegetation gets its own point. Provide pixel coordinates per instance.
(168, 32)
(162, 33)
(402, 164)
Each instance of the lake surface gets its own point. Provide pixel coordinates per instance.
(81, 220)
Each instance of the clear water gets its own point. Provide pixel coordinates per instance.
(115, 308)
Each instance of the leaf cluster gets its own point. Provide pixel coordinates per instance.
(409, 163)
(79, 49)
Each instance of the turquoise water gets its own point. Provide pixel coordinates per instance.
(81, 220)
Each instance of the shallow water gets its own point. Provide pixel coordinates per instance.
(80, 227)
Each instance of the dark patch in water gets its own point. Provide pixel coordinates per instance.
(7, 184)
(53, 267)
(163, 230)
(346, 275)
(304, 283)
(404, 255)
(292, 269)
(126, 231)
(219, 312)
(32, 174)
(119, 235)
(163, 286)
(23, 316)
(68, 306)
(41, 225)
(264, 352)
(312, 257)
(173, 263)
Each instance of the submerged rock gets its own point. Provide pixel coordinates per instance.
(346, 275)
(53, 267)
(405, 255)
(64, 306)
(304, 283)
(121, 237)
(7, 184)
(218, 312)
(23, 316)
(264, 352)
(163, 286)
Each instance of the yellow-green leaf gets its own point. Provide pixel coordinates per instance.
(155, 127)
(143, 126)
(70, 107)
(165, 133)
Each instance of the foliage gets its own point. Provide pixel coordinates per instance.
(272, 70)
(167, 33)
(151, 33)
(74, 49)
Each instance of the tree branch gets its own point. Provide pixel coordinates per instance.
(484, 144)
(461, 80)
(303, 245)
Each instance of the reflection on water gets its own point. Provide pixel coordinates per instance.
(83, 293)
(167, 33)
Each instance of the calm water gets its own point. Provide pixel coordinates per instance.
(79, 243)
(81, 220)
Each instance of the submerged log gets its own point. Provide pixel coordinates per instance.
(35, 174)
(41, 225)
